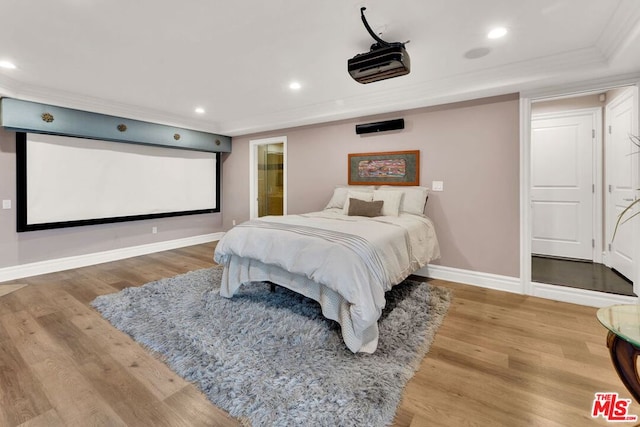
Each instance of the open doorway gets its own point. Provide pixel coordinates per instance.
(268, 177)
(582, 173)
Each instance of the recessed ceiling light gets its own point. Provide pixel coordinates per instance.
(496, 33)
(295, 86)
(200, 110)
(8, 65)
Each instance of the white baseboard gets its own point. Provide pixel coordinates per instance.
(468, 277)
(60, 264)
(579, 296)
(514, 285)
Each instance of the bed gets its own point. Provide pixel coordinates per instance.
(346, 256)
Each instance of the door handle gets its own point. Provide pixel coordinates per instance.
(628, 200)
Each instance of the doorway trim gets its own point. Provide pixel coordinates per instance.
(559, 293)
(253, 176)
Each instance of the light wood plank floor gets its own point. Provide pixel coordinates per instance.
(499, 359)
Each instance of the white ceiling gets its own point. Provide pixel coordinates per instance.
(158, 60)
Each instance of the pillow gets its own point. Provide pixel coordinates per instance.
(339, 196)
(361, 208)
(360, 195)
(391, 199)
(414, 199)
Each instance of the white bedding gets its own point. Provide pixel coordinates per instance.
(346, 263)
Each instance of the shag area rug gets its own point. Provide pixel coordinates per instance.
(271, 358)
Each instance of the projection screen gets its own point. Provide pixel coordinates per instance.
(66, 181)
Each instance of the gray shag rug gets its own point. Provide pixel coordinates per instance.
(271, 358)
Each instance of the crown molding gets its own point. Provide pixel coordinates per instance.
(486, 82)
(621, 30)
(519, 76)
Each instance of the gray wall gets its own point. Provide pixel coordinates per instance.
(472, 146)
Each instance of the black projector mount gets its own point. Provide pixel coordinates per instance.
(383, 61)
(380, 43)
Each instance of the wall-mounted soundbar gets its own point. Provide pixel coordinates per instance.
(380, 126)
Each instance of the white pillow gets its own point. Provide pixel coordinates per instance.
(414, 200)
(340, 195)
(338, 198)
(360, 195)
(391, 199)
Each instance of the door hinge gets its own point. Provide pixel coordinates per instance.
(609, 247)
(593, 133)
(593, 188)
(609, 188)
(609, 129)
(593, 243)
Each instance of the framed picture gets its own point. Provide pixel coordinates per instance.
(388, 168)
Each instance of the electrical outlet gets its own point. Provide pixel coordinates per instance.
(233, 222)
(6, 204)
(154, 230)
(437, 186)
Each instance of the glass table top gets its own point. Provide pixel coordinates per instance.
(622, 320)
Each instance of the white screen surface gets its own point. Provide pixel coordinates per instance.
(76, 179)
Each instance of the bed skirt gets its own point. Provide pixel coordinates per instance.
(242, 270)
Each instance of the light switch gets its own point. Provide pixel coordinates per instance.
(437, 186)
(6, 204)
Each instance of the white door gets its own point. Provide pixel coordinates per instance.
(562, 183)
(622, 179)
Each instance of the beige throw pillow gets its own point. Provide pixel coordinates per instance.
(361, 208)
(360, 195)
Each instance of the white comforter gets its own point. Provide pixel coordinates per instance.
(356, 257)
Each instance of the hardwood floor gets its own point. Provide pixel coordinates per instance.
(499, 359)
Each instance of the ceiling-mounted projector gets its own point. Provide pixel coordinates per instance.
(383, 61)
